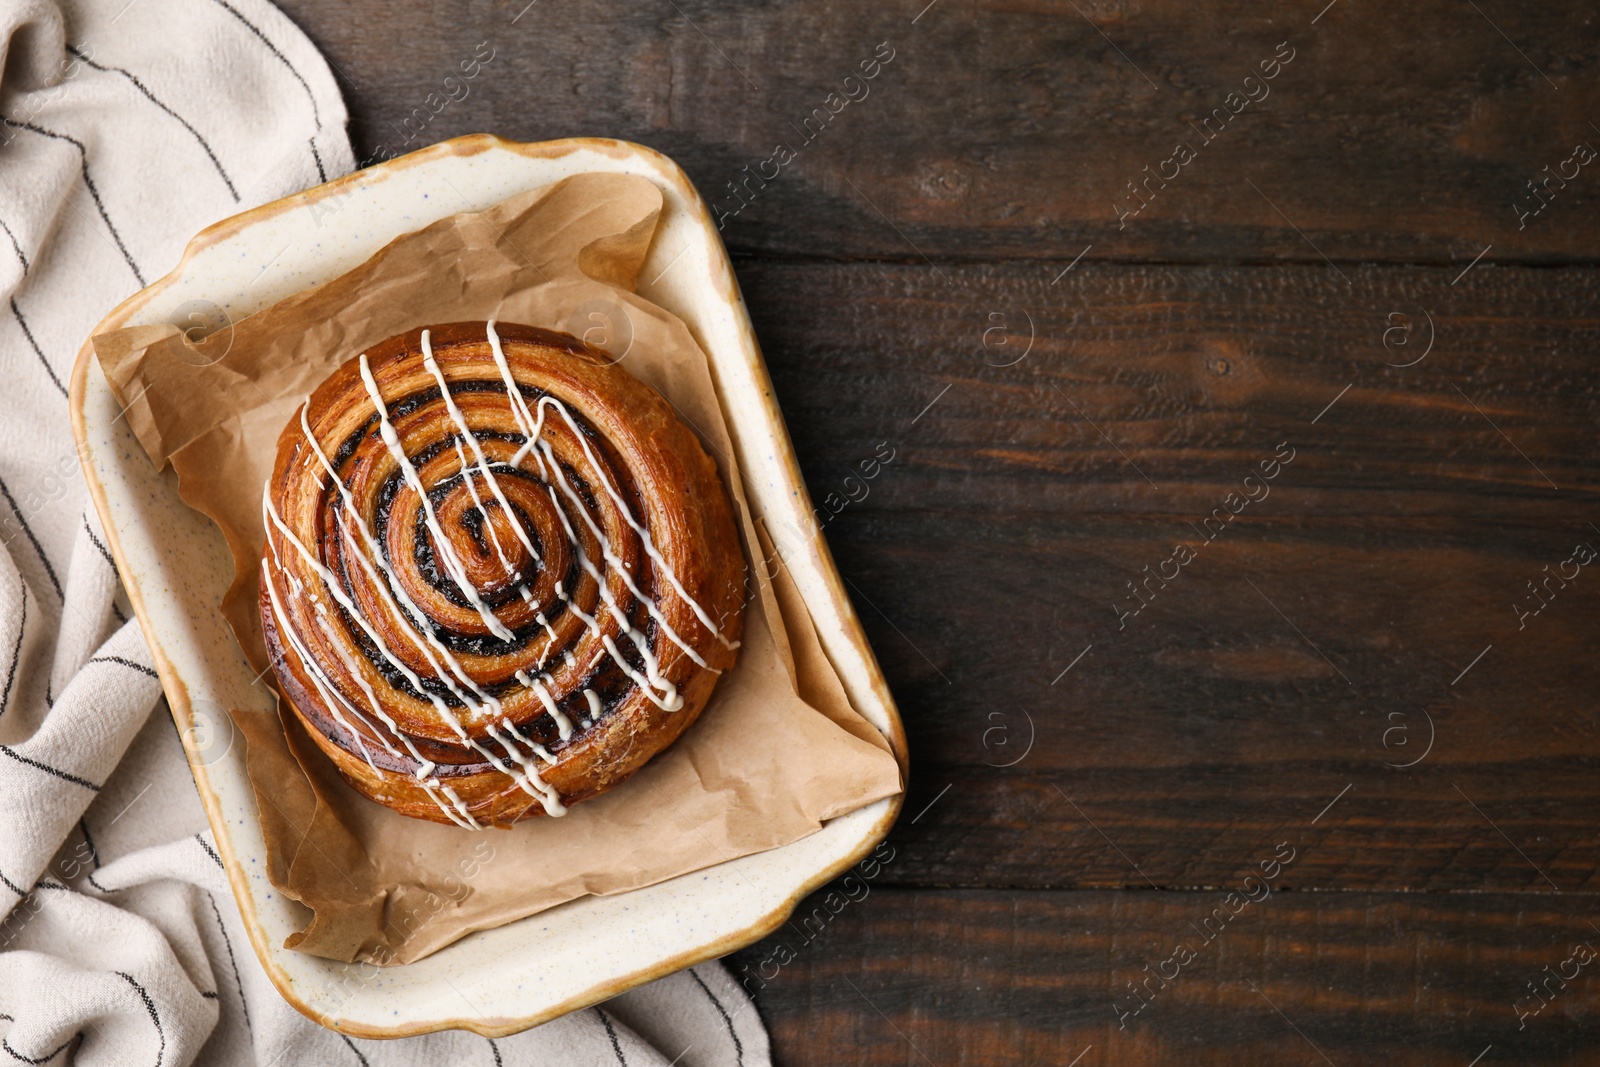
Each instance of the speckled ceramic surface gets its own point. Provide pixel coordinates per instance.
(176, 567)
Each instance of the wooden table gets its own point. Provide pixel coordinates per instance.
(1232, 569)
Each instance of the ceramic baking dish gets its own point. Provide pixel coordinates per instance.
(176, 567)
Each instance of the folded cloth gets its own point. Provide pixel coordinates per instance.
(125, 128)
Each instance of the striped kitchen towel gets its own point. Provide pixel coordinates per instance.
(125, 127)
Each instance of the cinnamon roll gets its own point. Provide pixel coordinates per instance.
(500, 574)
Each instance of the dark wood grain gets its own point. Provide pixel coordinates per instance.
(1001, 978)
(1306, 646)
(1406, 133)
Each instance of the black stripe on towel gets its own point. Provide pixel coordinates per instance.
(209, 850)
(16, 651)
(6, 1044)
(46, 768)
(99, 544)
(316, 113)
(15, 245)
(616, 1046)
(738, 1046)
(83, 158)
(150, 1006)
(137, 84)
(357, 1051)
(140, 667)
(5, 490)
(228, 943)
(16, 313)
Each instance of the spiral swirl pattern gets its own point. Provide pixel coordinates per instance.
(499, 574)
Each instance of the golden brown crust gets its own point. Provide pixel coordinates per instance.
(340, 619)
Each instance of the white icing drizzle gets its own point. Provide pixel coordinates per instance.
(563, 724)
(330, 693)
(428, 645)
(332, 697)
(329, 580)
(538, 789)
(477, 502)
(415, 624)
(542, 621)
(531, 430)
(546, 792)
(394, 592)
(612, 560)
(652, 678)
(542, 790)
(462, 818)
(425, 766)
(477, 451)
(538, 749)
(627, 516)
(372, 698)
(455, 801)
(446, 549)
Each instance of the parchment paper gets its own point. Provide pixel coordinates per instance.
(777, 752)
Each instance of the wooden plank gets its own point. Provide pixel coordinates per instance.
(1019, 130)
(997, 978)
(1312, 638)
